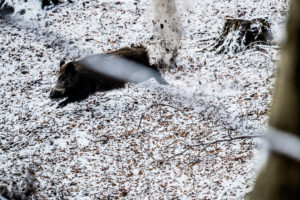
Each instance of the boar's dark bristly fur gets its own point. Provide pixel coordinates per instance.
(77, 80)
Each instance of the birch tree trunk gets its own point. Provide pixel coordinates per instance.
(280, 179)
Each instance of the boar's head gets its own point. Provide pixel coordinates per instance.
(67, 81)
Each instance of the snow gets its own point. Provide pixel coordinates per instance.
(123, 143)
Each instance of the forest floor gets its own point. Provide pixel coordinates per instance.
(144, 141)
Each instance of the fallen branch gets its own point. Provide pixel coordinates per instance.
(205, 145)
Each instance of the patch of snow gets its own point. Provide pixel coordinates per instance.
(123, 143)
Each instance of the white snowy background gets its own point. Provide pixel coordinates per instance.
(135, 142)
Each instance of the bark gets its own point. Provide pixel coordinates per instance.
(280, 179)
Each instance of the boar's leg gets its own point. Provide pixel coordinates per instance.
(160, 79)
(70, 99)
(157, 75)
(80, 93)
(66, 102)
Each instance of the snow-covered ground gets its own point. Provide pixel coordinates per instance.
(135, 142)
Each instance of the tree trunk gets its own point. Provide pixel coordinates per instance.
(280, 179)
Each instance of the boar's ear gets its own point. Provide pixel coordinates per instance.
(62, 63)
(70, 68)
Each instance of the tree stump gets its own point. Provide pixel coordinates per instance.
(49, 3)
(239, 34)
(5, 9)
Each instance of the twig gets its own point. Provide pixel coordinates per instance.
(207, 39)
(90, 39)
(214, 142)
(100, 20)
(227, 140)
(178, 154)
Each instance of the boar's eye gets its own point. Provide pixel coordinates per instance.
(70, 68)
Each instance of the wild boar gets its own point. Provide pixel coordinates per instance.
(102, 72)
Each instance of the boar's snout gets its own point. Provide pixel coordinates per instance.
(57, 93)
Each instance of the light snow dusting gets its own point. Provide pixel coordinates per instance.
(144, 141)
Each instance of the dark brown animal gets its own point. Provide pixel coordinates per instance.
(102, 72)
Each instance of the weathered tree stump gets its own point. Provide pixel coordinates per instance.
(239, 34)
(49, 3)
(5, 9)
